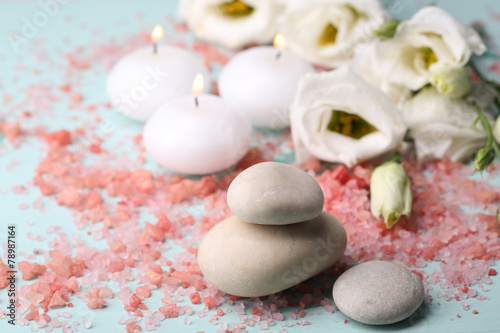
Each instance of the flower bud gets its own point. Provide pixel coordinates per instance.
(496, 130)
(484, 157)
(451, 81)
(390, 193)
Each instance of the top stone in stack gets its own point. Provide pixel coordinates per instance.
(275, 194)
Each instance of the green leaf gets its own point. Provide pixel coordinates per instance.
(386, 30)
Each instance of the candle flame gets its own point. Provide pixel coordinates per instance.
(279, 42)
(198, 84)
(157, 33)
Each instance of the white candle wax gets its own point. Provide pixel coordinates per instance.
(196, 141)
(261, 86)
(142, 81)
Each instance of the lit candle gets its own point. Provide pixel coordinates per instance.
(260, 83)
(145, 79)
(196, 134)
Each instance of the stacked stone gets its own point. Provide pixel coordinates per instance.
(278, 237)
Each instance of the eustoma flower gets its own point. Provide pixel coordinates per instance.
(325, 32)
(232, 23)
(442, 127)
(390, 193)
(431, 38)
(338, 117)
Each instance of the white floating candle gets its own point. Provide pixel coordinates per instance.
(260, 83)
(145, 79)
(196, 134)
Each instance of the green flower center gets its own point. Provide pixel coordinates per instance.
(328, 35)
(428, 56)
(235, 9)
(349, 125)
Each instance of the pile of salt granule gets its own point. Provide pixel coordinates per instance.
(110, 196)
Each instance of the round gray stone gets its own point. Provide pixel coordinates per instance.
(378, 293)
(275, 193)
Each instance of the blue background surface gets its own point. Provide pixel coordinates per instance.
(116, 20)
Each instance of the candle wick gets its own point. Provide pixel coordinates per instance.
(278, 55)
(196, 102)
(155, 48)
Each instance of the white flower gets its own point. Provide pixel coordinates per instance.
(338, 117)
(326, 32)
(367, 64)
(450, 80)
(496, 130)
(232, 23)
(390, 193)
(432, 37)
(442, 127)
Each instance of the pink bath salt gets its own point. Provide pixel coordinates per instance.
(86, 323)
(72, 284)
(108, 222)
(209, 301)
(178, 192)
(486, 196)
(153, 277)
(163, 222)
(93, 200)
(149, 255)
(169, 310)
(76, 97)
(154, 232)
(96, 303)
(10, 130)
(142, 240)
(142, 180)
(38, 291)
(45, 188)
(70, 197)
(93, 292)
(134, 300)
(131, 327)
(31, 271)
(465, 306)
(65, 87)
(204, 187)
(66, 330)
(62, 137)
(55, 322)
(476, 251)
(43, 318)
(32, 314)
(118, 247)
(77, 267)
(278, 316)
(95, 148)
(116, 267)
(471, 293)
(143, 291)
(57, 300)
(59, 264)
(106, 292)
